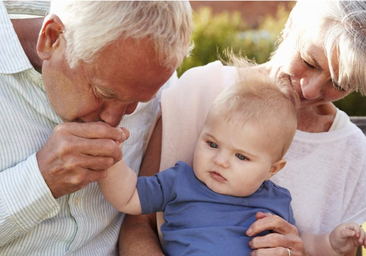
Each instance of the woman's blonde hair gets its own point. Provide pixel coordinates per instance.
(92, 25)
(343, 35)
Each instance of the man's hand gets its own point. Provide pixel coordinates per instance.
(285, 236)
(79, 153)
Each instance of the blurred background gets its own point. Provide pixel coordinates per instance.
(249, 28)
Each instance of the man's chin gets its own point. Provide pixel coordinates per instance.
(77, 120)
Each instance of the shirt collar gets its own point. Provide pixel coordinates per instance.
(12, 56)
(32, 8)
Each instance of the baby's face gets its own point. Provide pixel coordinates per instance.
(231, 158)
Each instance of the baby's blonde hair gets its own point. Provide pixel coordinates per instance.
(267, 103)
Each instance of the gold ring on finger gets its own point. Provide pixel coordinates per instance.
(289, 251)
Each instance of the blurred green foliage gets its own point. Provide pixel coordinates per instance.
(212, 35)
(215, 34)
(354, 104)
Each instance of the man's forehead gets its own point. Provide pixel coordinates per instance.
(120, 93)
(129, 73)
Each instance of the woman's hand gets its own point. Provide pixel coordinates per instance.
(284, 236)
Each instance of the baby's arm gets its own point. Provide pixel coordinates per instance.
(342, 240)
(119, 188)
(346, 237)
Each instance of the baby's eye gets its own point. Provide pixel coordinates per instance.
(240, 156)
(212, 144)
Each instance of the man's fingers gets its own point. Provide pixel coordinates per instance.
(261, 215)
(284, 236)
(94, 176)
(270, 240)
(277, 242)
(271, 222)
(91, 130)
(87, 162)
(100, 147)
(66, 181)
(280, 251)
(79, 153)
(72, 147)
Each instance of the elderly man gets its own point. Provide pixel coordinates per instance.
(59, 128)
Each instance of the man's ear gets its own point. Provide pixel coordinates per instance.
(49, 36)
(276, 167)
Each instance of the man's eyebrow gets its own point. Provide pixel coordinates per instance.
(109, 93)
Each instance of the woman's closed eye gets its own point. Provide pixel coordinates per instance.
(309, 65)
(335, 85)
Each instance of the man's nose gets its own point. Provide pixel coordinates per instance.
(131, 108)
(112, 113)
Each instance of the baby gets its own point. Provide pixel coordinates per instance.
(208, 208)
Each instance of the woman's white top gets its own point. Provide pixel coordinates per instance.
(325, 172)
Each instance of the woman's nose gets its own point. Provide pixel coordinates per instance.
(312, 87)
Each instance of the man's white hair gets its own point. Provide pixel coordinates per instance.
(92, 25)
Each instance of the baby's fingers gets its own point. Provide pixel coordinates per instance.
(350, 233)
(354, 230)
(362, 238)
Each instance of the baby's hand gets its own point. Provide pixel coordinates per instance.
(125, 136)
(345, 237)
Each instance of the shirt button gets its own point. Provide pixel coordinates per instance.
(43, 217)
(76, 201)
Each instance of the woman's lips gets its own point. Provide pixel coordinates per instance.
(296, 87)
(217, 176)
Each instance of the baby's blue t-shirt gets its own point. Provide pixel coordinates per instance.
(201, 222)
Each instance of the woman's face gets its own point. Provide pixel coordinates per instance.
(303, 62)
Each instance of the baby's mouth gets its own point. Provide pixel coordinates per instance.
(217, 176)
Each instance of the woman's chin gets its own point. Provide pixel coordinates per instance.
(310, 103)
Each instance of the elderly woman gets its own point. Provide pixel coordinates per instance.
(323, 58)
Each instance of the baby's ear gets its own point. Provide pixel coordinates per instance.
(49, 36)
(277, 166)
